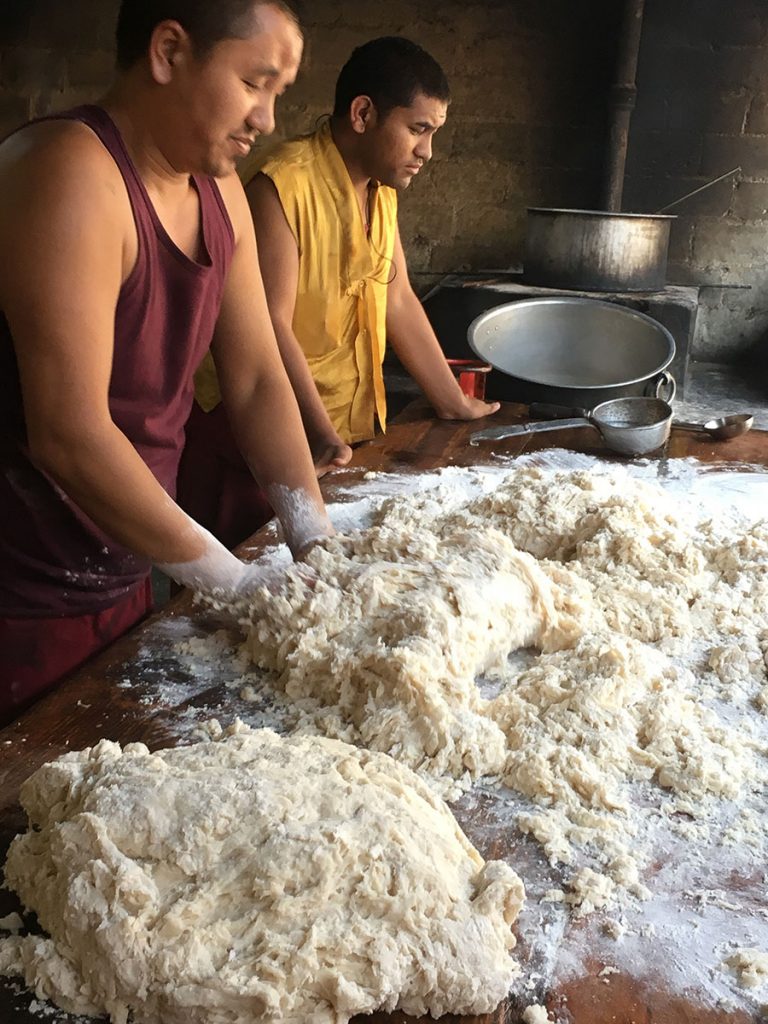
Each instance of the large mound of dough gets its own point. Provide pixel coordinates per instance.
(254, 878)
(610, 583)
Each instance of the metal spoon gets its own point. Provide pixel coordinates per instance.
(721, 428)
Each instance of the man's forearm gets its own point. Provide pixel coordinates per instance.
(416, 346)
(316, 421)
(104, 475)
(282, 465)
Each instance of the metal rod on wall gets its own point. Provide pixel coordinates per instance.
(623, 96)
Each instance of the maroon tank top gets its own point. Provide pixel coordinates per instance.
(53, 559)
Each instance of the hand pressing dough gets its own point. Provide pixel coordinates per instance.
(254, 878)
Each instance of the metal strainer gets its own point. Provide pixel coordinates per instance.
(630, 426)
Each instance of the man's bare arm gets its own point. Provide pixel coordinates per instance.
(413, 339)
(257, 393)
(65, 226)
(279, 258)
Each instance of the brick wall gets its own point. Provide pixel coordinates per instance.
(53, 54)
(526, 125)
(703, 109)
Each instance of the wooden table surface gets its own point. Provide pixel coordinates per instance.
(91, 705)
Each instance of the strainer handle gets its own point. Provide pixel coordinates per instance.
(521, 429)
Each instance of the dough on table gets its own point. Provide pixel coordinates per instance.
(617, 596)
(396, 631)
(750, 966)
(254, 878)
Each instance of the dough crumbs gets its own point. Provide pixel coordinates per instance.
(614, 929)
(252, 877)
(607, 971)
(750, 965)
(604, 581)
(535, 1014)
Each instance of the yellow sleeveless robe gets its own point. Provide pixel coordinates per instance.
(341, 301)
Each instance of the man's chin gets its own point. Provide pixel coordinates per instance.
(220, 168)
(403, 182)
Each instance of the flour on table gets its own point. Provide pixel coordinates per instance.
(254, 877)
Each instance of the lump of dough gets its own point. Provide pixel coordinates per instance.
(535, 1014)
(615, 590)
(396, 631)
(254, 878)
(750, 965)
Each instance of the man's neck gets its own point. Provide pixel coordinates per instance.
(148, 157)
(345, 141)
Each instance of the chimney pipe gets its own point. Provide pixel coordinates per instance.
(623, 95)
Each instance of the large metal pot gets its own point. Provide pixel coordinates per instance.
(589, 250)
(573, 351)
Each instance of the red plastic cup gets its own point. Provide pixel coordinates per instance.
(470, 374)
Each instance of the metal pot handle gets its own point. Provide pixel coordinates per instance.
(663, 387)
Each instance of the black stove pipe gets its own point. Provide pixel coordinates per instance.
(623, 96)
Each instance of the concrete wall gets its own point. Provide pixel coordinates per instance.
(526, 125)
(703, 109)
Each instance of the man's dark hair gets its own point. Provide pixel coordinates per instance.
(206, 21)
(392, 71)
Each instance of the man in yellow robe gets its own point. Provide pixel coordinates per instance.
(325, 210)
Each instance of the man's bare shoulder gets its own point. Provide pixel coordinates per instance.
(261, 186)
(231, 189)
(62, 193)
(57, 157)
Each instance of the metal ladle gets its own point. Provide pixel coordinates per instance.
(722, 427)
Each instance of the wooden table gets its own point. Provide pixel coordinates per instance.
(91, 704)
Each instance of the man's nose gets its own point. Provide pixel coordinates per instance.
(424, 148)
(262, 116)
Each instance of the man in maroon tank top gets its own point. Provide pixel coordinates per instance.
(129, 251)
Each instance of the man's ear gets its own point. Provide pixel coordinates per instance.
(168, 46)
(362, 114)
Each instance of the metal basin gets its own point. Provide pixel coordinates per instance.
(575, 351)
